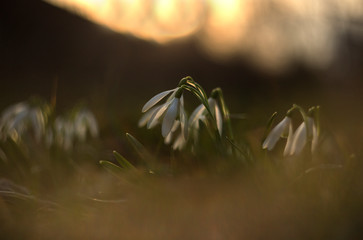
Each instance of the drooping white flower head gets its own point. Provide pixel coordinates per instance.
(74, 127)
(166, 113)
(85, 122)
(277, 132)
(301, 136)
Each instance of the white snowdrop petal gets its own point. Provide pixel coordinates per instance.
(175, 126)
(169, 117)
(219, 119)
(179, 143)
(155, 118)
(168, 138)
(275, 134)
(194, 117)
(93, 126)
(146, 116)
(172, 96)
(310, 122)
(287, 149)
(299, 139)
(154, 100)
(212, 104)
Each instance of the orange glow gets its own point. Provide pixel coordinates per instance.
(226, 25)
(271, 33)
(158, 20)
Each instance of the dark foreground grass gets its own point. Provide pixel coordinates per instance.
(262, 202)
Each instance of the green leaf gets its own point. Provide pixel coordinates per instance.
(112, 168)
(139, 148)
(123, 161)
(245, 152)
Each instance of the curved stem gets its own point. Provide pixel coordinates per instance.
(305, 118)
(225, 111)
(200, 94)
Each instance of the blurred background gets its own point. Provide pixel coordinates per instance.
(115, 54)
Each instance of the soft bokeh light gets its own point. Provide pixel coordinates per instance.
(271, 33)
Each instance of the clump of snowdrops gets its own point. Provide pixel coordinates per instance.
(208, 131)
(35, 140)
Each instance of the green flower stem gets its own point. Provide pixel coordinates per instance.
(305, 118)
(200, 94)
(317, 119)
(225, 111)
(290, 111)
(200, 89)
(183, 81)
(201, 98)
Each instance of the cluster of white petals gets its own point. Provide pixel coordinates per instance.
(33, 120)
(301, 135)
(171, 115)
(278, 131)
(76, 127)
(297, 140)
(175, 126)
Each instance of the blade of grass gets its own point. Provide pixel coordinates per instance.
(140, 149)
(112, 168)
(123, 161)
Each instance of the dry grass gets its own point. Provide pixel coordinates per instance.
(259, 203)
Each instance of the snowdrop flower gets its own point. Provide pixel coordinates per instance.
(165, 113)
(301, 135)
(200, 113)
(17, 120)
(85, 122)
(74, 127)
(275, 134)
